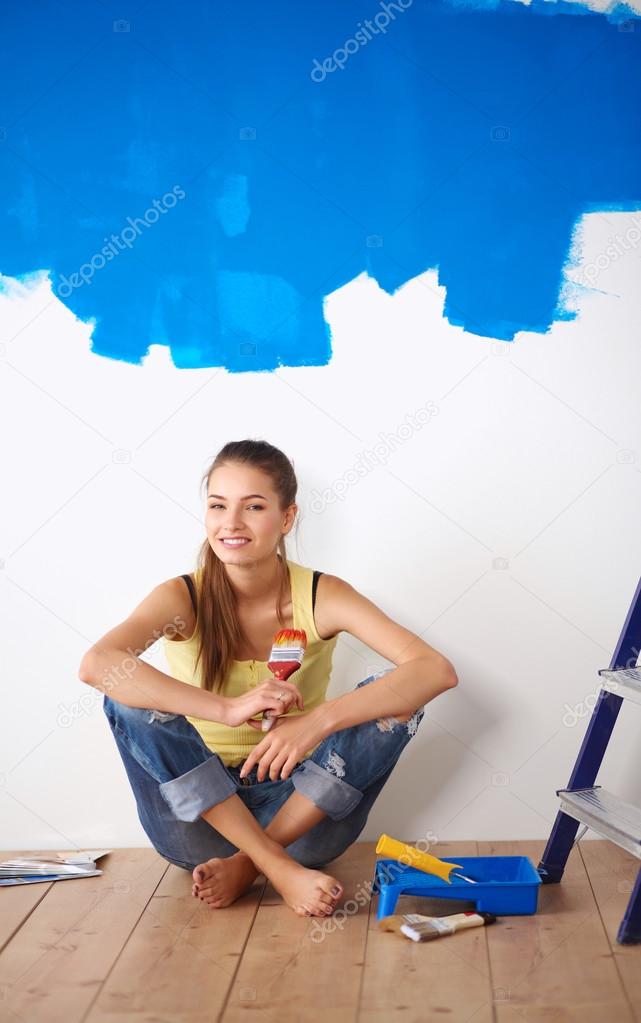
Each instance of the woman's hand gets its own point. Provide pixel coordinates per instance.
(263, 697)
(284, 746)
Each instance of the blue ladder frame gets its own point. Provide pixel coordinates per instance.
(588, 762)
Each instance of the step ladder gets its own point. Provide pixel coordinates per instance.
(583, 802)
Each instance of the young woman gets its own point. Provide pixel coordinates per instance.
(215, 794)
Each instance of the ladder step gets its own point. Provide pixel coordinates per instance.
(606, 814)
(625, 682)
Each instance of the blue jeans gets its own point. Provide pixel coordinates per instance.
(175, 777)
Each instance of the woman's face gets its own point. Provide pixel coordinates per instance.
(241, 503)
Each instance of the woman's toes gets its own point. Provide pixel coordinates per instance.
(211, 898)
(318, 908)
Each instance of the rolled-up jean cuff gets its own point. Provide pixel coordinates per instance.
(337, 798)
(197, 790)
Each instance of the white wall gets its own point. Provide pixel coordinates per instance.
(505, 531)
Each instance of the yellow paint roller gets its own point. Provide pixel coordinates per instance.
(413, 857)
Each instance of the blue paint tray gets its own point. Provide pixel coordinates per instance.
(507, 885)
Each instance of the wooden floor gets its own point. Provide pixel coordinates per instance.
(133, 945)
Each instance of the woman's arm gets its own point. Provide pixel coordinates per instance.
(422, 673)
(113, 664)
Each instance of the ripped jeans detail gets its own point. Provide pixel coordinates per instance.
(389, 724)
(160, 715)
(350, 760)
(191, 778)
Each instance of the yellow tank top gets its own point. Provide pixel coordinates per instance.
(234, 745)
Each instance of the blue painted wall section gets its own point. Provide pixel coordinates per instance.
(202, 176)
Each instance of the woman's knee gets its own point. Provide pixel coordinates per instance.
(386, 724)
(411, 722)
(114, 709)
(372, 678)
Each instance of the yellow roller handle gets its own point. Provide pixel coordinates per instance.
(413, 857)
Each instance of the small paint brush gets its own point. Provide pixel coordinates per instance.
(425, 928)
(286, 657)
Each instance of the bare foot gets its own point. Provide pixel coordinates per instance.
(308, 892)
(220, 881)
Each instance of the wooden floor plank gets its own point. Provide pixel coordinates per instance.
(424, 982)
(59, 958)
(17, 902)
(133, 946)
(555, 964)
(297, 968)
(179, 964)
(613, 872)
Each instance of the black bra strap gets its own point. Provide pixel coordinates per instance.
(315, 579)
(192, 591)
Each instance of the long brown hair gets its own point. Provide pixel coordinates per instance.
(220, 634)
